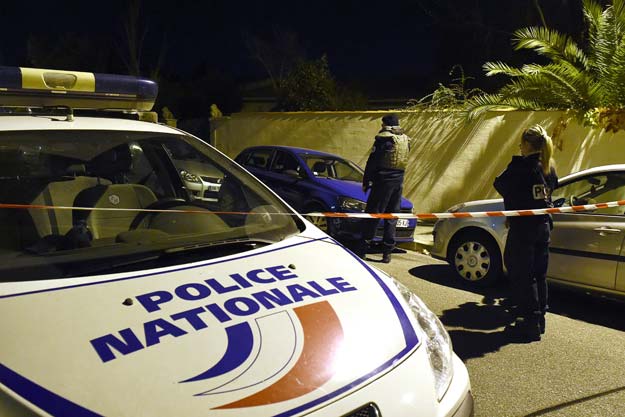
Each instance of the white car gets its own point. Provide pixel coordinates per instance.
(201, 187)
(121, 295)
(586, 249)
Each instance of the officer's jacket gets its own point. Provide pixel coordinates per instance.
(523, 185)
(389, 153)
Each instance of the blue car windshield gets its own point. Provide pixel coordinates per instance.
(332, 167)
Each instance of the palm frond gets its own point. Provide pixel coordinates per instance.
(562, 75)
(540, 90)
(480, 104)
(496, 68)
(618, 9)
(575, 79)
(533, 88)
(551, 44)
(593, 14)
(607, 49)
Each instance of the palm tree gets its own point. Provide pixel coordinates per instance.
(584, 80)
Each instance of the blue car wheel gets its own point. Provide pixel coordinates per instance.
(319, 221)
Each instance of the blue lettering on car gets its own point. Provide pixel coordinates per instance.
(113, 345)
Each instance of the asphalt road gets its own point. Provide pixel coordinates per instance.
(577, 369)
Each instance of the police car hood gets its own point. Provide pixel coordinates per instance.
(352, 189)
(264, 332)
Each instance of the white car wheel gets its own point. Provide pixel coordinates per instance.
(475, 259)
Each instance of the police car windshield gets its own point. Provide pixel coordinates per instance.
(331, 167)
(70, 197)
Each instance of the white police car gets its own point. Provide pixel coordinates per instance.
(121, 294)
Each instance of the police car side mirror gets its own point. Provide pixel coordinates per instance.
(559, 202)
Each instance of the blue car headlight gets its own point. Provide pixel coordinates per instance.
(352, 204)
(438, 342)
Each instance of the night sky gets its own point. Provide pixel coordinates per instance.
(387, 47)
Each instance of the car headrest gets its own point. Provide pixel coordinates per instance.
(319, 167)
(114, 161)
(258, 160)
(76, 170)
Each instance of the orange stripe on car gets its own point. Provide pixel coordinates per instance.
(323, 336)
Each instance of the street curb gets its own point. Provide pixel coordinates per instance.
(415, 246)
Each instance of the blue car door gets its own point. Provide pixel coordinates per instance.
(257, 161)
(287, 178)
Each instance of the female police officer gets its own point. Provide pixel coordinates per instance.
(527, 183)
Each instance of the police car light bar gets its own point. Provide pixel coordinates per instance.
(35, 87)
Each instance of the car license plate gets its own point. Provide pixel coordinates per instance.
(214, 188)
(402, 222)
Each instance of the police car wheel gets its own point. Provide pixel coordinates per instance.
(475, 258)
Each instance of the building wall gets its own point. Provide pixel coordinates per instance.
(451, 161)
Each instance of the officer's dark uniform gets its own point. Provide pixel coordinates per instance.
(384, 174)
(523, 186)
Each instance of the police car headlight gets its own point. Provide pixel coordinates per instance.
(347, 203)
(438, 342)
(187, 176)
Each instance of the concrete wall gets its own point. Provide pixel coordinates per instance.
(451, 161)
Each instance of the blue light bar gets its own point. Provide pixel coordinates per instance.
(35, 87)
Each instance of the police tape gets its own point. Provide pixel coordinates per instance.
(264, 212)
(465, 214)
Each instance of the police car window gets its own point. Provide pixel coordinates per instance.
(76, 202)
(201, 177)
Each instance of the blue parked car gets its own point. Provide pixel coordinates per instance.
(312, 181)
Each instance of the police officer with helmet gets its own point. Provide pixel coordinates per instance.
(527, 183)
(384, 176)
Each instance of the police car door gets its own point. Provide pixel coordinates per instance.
(585, 246)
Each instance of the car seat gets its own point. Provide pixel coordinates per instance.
(319, 167)
(258, 161)
(60, 194)
(111, 166)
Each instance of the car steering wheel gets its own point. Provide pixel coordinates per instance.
(161, 204)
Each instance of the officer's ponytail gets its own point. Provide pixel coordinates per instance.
(538, 138)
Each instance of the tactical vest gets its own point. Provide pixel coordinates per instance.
(397, 156)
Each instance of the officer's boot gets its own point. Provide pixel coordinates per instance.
(525, 328)
(541, 323)
(386, 257)
(534, 328)
(541, 319)
(362, 247)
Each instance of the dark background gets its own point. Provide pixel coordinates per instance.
(385, 49)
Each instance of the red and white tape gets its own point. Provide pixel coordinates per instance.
(460, 214)
(463, 214)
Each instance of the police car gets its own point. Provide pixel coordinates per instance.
(122, 294)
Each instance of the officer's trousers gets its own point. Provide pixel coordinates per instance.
(385, 197)
(527, 257)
